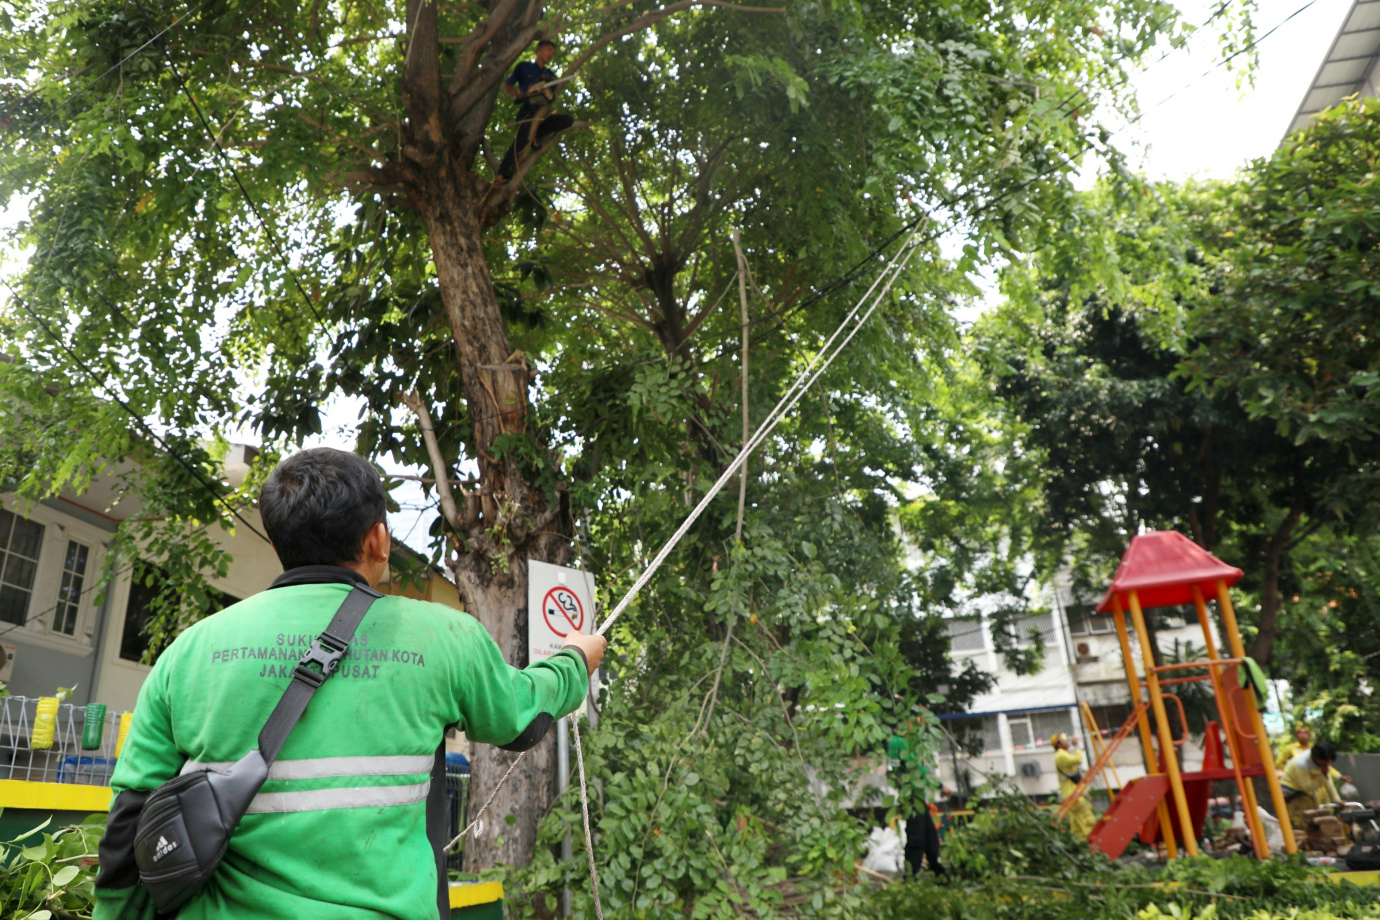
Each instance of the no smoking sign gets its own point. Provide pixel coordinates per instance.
(563, 611)
(560, 601)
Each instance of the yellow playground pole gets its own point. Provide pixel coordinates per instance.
(1224, 712)
(1262, 739)
(1171, 757)
(1146, 746)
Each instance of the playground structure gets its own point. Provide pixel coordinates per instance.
(1161, 569)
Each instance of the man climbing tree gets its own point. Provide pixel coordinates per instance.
(531, 84)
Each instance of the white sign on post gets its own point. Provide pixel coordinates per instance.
(560, 601)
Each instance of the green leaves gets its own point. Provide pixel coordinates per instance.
(53, 877)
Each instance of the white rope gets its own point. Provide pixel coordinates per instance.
(584, 811)
(788, 401)
(478, 823)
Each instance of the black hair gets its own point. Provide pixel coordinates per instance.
(319, 505)
(1324, 750)
(547, 41)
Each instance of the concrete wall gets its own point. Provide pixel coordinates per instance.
(1364, 770)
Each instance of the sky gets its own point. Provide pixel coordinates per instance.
(1193, 125)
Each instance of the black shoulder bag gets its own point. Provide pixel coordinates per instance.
(186, 823)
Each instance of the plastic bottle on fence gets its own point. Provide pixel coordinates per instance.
(125, 718)
(93, 728)
(45, 724)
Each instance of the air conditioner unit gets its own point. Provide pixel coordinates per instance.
(1030, 769)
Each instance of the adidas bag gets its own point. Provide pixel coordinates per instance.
(185, 827)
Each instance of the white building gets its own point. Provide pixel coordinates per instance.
(1351, 66)
(1082, 664)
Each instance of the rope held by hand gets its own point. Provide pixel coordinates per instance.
(788, 401)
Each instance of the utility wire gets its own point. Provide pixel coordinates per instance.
(86, 368)
(254, 207)
(43, 613)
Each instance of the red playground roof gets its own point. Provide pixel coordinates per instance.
(1162, 567)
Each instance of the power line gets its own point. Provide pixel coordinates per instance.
(86, 369)
(121, 63)
(239, 182)
(43, 613)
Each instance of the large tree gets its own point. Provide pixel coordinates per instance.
(239, 212)
(1201, 358)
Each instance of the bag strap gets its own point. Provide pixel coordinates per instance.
(326, 653)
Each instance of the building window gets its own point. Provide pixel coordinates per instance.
(1085, 621)
(1041, 623)
(991, 735)
(146, 583)
(20, 542)
(1021, 736)
(966, 634)
(1032, 730)
(71, 589)
(1044, 725)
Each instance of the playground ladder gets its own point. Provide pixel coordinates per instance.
(1102, 761)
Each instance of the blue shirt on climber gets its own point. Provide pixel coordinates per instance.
(528, 73)
(536, 123)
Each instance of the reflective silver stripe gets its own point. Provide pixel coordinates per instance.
(266, 803)
(319, 767)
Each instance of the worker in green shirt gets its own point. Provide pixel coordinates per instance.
(351, 822)
(922, 836)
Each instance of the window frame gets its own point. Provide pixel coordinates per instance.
(58, 530)
(80, 604)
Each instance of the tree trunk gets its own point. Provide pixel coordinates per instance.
(1274, 557)
(505, 521)
(532, 787)
(1269, 587)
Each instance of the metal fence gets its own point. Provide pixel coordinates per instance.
(64, 760)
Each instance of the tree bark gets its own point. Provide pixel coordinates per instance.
(505, 521)
(1275, 551)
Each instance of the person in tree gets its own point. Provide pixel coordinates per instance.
(922, 836)
(1068, 763)
(530, 85)
(1307, 781)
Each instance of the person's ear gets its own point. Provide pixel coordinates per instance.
(377, 543)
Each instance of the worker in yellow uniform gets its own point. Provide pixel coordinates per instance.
(1068, 763)
(1303, 741)
(1307, 781)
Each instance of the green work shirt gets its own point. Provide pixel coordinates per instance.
(339, 829)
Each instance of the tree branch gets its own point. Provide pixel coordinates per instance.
(651, 17)
(439, 469)
(422, 75)
(500, 196)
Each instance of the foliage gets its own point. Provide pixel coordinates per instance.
(1292, 333)
(54, 878)
(354, 255)
(1009, 836)
(1122, 357)
(1011, 863)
